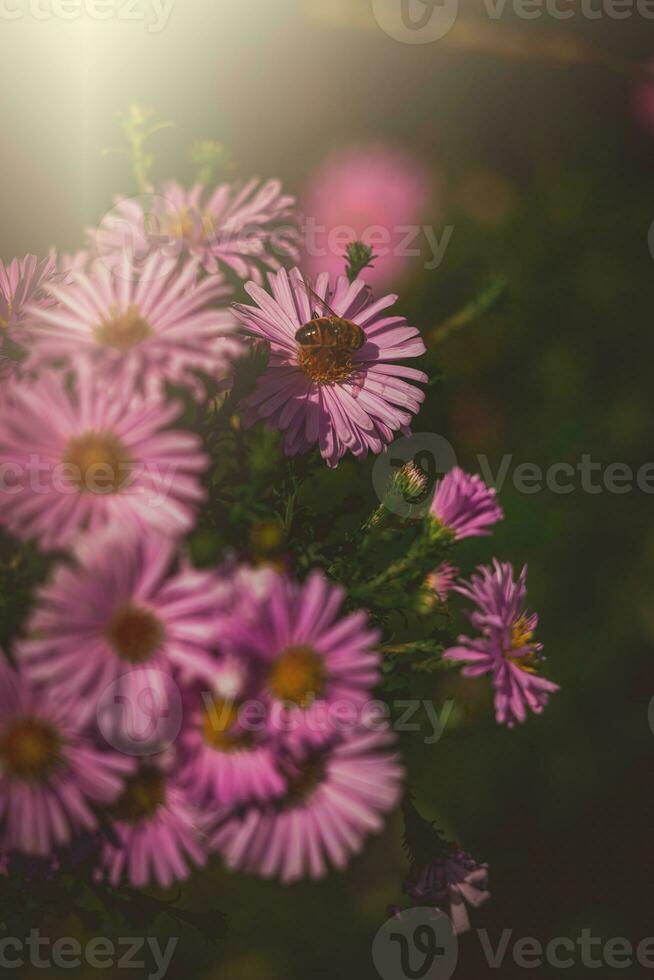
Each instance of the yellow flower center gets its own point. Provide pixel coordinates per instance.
(144, 793)
(521, 637)
(100, 463)
(135, 634)
(188, 226)
(325, 365)
(123, 329)
(30, 750)
(219, 717)
(298, 675)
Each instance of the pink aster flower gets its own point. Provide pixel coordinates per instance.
(442, 580)
(465, 505)
(642, 98)
(156, 831)
(148, 326)
(78, 261)
(227, 759)
(455, 878)
(335, 798)
(51, 776)
(506, 648)
(309, 659)
(23, 281)
(75, 461)
(352, 399)
(124, 606)
(374, 194)
(243, 229)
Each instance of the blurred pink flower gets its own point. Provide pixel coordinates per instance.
(246, 228)
(155, 833)
(442, 580)
(125, 605)
(335, 798)
(643, 100)
(51, 772)
(77, 459)
(309, 655)
(140, 327)
(376, 192)
(225, 764)
(22, 282)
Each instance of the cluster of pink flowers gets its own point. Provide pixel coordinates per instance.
(258, 771)
(463, 506)
(160, 711)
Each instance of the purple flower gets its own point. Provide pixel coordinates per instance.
(465, 505)
(227, 760)
(334, 798)
(506, 648)
(51, 776)
(243, 229)
(23, 282)
(139, 327)
(343, 399)
(307, 659)
(442, 580)
(79, 460)
(120, 616)
(156, 832)
(455, 878)
(67, 262)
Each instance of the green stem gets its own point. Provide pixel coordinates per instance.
(480, 306)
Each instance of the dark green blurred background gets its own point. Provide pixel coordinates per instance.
(562, 809)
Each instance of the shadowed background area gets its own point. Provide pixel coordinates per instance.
(539, 158)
